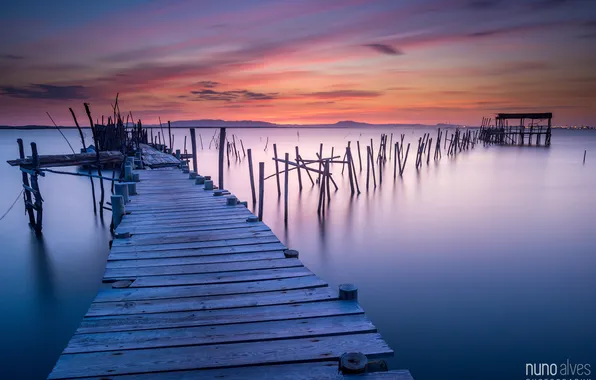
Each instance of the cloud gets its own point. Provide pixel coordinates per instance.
(45, 91)
(230, 96)
(385, 49)
(344, 94)
(483, 4)
(208, 84)
(11, 57)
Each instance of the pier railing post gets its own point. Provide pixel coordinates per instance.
(118, 209)
(222, 146)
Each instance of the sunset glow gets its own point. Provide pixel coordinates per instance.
(304, 62)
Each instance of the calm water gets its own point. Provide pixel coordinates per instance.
(470, 268)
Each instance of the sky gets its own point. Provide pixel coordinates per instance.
(299, 62)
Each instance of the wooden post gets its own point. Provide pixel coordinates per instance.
(243, 151)
(320, 163)
(261, 189)
(380, 166)
(170, 135)
(367, 166)
(372, 166)
(350, 174)
(276, 170)
(390, 144)
(352, 167)
(298, 169)
(118, 209)
(395, 160)
(585, 151)
(222, 139)
(35, 187)
(328, 176)
(184, 150)
(228, 148)
(252, 178)
(405, 160)
(193, 145)
(428, 153)
(307, 171)
(97, 149)
(286, 186)
(27, 194)
(359, 156)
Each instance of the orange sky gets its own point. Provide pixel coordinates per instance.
(302, 62)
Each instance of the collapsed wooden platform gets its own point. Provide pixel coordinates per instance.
(56, 160)
(197, 291)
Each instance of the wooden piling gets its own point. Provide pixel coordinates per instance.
(405, 160)
(35, 186)
(367, 166)
(261, 189)
(328, 176)
(252, 179)
(298, 170)
(352, 167)
(320, 163)
(193, 144)
(286, 187)
(372, 165)
(97, 149)
(430, 142)
(170, 135)
(222, 139)
(26, 186)
(276, 170)
(585, 151)
(350, 174)
(359, 156)
(395, 160)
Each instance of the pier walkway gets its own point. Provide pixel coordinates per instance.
(199, 292)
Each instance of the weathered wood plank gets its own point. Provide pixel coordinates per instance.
(245, 246)
(326, 370)
(139, 294)
(192, 236)
(267, 237)
(129, 273)
(220, 277)
(212, 259)
(185, 222)
(205, 335)
(229, 355)
(211, 302)
(187, 226)
(218, 316)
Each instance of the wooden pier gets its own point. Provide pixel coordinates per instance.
(524, 129)
(197, 288)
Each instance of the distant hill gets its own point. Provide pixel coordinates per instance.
(217, 123)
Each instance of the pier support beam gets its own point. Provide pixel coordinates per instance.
(118, 209)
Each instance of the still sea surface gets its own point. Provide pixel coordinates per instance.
(470, 267)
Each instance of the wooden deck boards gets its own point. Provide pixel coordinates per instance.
(211, 296)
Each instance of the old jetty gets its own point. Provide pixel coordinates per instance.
(197, 287)
(523, 129)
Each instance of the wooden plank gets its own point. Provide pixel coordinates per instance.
(211, 259)
(249, 246)
(229, 355)
(220, 277)
(139, 294)
(56, 160)
(212, 317)
(240, 224)
(211, 302)
(325, 370)
(206, 335)
(268, 237)
(129, 273)
(175, 223)
(190, 236)
(232, 210)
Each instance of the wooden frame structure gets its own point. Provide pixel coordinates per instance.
(529, 125)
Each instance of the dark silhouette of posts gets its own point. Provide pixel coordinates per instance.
(35, 186)
(298, 169)
(193, 144)
(222, 146)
